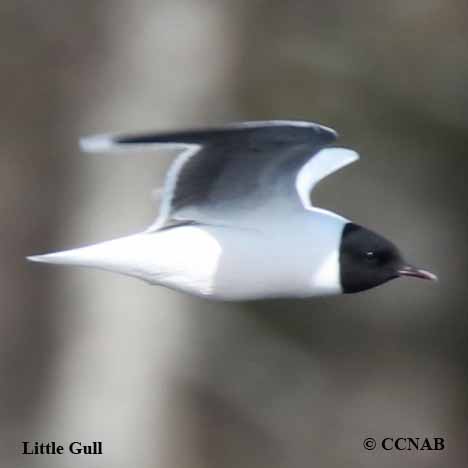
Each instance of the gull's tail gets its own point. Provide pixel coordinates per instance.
(127, 255)
(83, 256)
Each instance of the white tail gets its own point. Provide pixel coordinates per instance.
(128, 255)
(84, 256)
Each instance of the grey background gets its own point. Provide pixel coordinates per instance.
(166, 380)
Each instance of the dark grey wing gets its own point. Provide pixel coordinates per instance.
(228, 172)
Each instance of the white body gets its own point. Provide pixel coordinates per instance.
(292, 257)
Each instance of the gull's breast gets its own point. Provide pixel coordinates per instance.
(187, 259)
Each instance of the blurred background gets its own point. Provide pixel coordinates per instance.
(164, 380)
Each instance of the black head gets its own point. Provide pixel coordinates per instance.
(368, 260)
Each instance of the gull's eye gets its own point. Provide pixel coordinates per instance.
(370, 255)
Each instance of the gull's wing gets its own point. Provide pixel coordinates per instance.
(230, 173)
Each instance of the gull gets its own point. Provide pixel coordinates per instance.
(236, 220)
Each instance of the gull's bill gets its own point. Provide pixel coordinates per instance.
(414, 272)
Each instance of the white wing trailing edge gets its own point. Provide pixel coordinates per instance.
(325, 162)
(109, 143)
(170, 183)
(96, 144)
